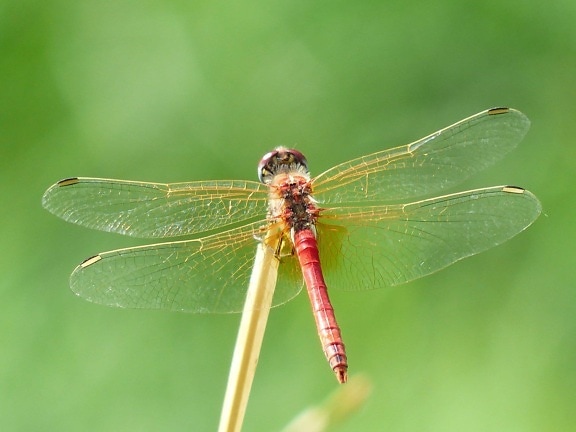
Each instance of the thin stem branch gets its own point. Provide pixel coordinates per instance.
(249, 340)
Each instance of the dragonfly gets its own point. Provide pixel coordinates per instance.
(363, 224)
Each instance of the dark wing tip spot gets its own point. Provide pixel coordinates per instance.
(513, 189)
(498, 110)
(89, 261)
(68, 181)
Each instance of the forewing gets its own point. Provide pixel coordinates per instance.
(156, 210)
(429, 165)
(208, 275)
(374, 247)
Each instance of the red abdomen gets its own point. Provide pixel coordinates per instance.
(328, 329)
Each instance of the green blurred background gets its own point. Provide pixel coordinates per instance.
(174, 91)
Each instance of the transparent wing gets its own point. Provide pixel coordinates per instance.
(157, 210)
(373, 247)
(427, 166)
(207, 275)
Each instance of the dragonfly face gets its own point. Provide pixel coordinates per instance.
(281, 160)
(367, 223)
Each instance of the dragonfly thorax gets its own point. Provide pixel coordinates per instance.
(291, 202)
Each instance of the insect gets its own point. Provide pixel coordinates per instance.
(366, 223)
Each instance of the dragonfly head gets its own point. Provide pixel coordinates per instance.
(281, 160)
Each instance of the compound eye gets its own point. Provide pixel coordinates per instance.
(297, 157)
(264, 166)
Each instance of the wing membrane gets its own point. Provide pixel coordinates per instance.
(208, 275)
(156, 210)
(386, 245)
(364, 243)
(429, 165)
